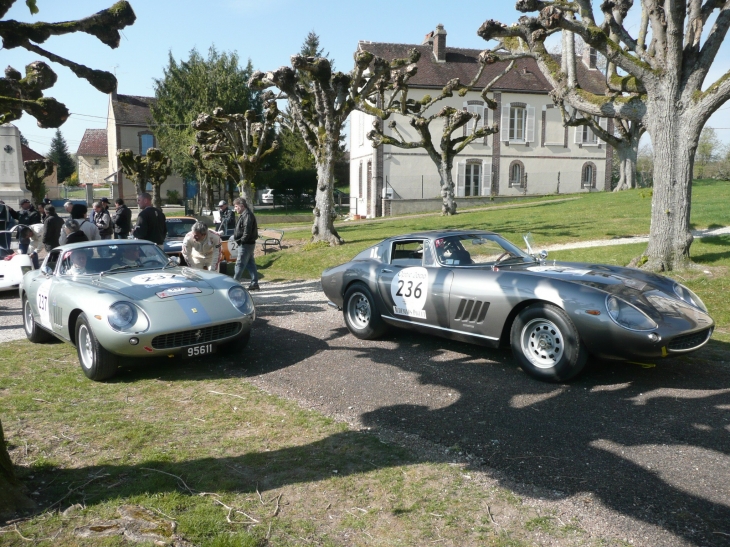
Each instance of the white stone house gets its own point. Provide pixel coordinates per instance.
(532, 154)
(92, 160)
(128, 126)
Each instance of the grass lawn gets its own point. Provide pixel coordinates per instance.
(233, 465)
(189, 442)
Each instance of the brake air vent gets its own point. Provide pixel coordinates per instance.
(471, 311)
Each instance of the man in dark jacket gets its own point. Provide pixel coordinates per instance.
(51, 228)
(228, 218)
(27, 214)
(73, 231)
(150, 221)
(245, 235)
(122, 220)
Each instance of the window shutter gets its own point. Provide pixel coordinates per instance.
(603, 122)
(460, 179)
(530, 131)
(486, 178)
(504, 126)
(470, 124)
(578, 134)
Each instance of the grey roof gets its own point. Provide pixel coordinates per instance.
(463, 64)
(132, 110)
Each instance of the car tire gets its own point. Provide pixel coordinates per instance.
(237, 345)
(33, 331)
(546, 343)
(361, 314)
(97, 363)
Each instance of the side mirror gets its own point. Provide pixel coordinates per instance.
(543, 254)
(175, 260)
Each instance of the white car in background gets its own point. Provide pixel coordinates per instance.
(267, 198)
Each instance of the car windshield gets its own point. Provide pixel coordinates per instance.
(479, 249)
(179, 227)
(108, 258)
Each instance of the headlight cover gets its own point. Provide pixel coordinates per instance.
(123, 316)
(628, 316)
(690, 297)
(241, 300)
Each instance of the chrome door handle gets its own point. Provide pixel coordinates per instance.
(385, 270)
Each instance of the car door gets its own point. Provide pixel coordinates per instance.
(43, 290)
(413, 287)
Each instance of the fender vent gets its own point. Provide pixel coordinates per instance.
(57, 316)
(471, 311)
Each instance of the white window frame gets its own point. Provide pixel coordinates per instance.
(584, 135)
(507, 130)
(521, 183)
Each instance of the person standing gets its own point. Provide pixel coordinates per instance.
(245, 235)
(201, 248)
(102, 220)
(78, 213)
(122, 220)
(72, 233)
(27, 214)
(51, 228)
(228, 218)
(150, 221)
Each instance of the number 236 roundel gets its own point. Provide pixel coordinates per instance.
(409, 290)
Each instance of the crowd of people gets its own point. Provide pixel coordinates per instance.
(42, 228)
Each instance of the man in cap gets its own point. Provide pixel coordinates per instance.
(228, 218)
(27, 214)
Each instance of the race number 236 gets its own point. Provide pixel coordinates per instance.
(407, 289)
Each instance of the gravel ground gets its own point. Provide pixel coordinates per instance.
(635, 453)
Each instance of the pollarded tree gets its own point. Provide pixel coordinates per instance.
(35, 172)
(320, 102)
(392, 98)
(664, 67)
(154, 167)
(18, 95)
(238, 141)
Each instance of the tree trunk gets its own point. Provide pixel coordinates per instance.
(323, 228)
(141, 187)
(674, 134)
(247, 192)
(447, 190)
(12, 492)
(627, 168)
(156, 197)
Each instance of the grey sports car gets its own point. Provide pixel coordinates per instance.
(125, 298)
(477, 287)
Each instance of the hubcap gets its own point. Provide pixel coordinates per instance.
(358, 310)
(84, 345)
(28, 315)
(542, 343)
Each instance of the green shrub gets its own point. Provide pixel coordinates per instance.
(173, 197)
(314, 245)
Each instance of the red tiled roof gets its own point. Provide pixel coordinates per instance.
(463, 64)
(29, 154)
(132, 110)
(93, 143)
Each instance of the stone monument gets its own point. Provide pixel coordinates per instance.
(12, 179)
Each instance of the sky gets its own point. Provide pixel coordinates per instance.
(266, 31)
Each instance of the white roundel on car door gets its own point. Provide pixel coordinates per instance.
(41, 300)
(409, 290)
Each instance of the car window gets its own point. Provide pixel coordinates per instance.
(407, 253)
(52, 260)
(177, 227)
(107, 258)
(480, 249)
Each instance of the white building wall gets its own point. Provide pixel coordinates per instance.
(412, 174)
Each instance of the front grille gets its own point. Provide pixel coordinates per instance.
(690, 341)
(195, 336)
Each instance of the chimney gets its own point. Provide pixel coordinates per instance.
(439, 44)
(590, 56)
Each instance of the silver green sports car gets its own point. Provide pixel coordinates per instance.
(478, 287)
(117, 299)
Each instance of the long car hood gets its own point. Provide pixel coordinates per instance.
(141, 285)
(654, 294)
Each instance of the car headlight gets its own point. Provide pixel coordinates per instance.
(690, 297)
(241, 300)
(122, 315)
(627, 315)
